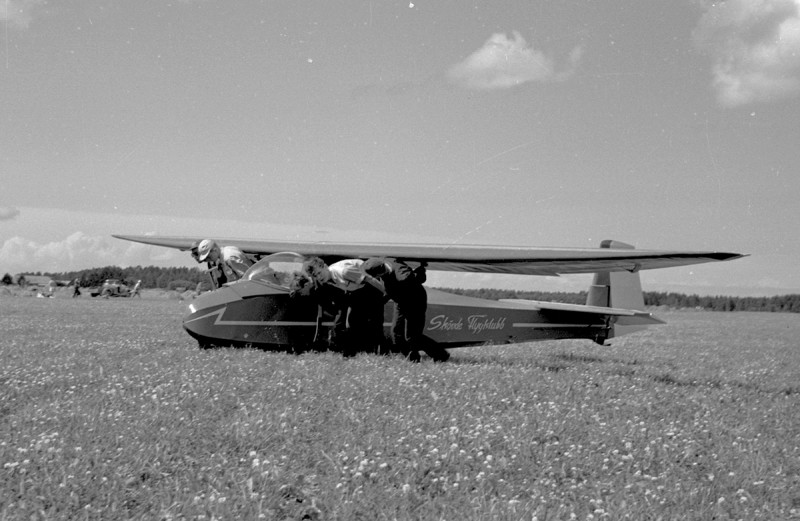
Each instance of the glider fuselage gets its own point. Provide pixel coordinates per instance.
(251, 313)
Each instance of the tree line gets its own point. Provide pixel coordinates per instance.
(778, 304)
(154, 277)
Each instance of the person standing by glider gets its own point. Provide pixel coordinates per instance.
(214, 273)
(229, 259)
(404, 285)
(356, 296)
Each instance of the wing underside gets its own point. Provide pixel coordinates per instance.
(472, 259)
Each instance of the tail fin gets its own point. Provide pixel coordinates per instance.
(617, 289)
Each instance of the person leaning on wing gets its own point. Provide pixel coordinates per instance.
(356, 299)
(404, 285)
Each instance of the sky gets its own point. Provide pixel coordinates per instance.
(667, 125)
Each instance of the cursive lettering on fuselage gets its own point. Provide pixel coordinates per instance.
(475, 324)
(480, 323)
(445, 323)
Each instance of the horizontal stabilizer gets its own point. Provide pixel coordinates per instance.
(625, 316)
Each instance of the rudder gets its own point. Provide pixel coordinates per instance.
(617, 289)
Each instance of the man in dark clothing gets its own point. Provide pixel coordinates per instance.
(328, 299)
(404, 285)
(353, 297)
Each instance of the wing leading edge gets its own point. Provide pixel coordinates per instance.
(471, 258)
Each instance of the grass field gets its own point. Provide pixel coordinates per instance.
(109, 411)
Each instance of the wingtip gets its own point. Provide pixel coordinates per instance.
(733, 256)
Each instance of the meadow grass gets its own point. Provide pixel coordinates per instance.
(109, 411)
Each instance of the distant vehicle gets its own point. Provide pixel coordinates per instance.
(111, 288)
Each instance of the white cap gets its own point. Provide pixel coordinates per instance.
(205, 248)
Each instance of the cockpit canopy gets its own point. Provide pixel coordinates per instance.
(277, 269)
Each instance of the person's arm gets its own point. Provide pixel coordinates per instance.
(217, 275)
(372, 281)
(403, 272)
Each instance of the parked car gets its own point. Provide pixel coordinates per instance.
(112, 288)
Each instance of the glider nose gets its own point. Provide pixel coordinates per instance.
(213, 299)
(204, 314)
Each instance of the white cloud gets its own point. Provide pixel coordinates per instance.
(755, 47)
(18, 12)
(8, 212)
(503, 63)
(81, 251)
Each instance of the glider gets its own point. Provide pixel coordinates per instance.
(257, 310)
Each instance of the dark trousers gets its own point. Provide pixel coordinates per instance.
(365, 319)
(408, 323)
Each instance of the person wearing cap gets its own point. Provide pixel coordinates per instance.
(229, 259)
(215, 274)
(404, 285)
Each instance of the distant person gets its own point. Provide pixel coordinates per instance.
(76, 291)
(232, 261)
(136, 289)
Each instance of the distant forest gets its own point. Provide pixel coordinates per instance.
(782, 303)
(188, 278)
(152, 277)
